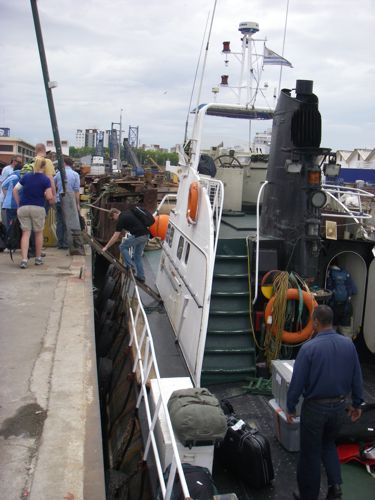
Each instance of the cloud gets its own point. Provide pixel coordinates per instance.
(141, 57)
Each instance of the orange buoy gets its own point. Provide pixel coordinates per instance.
(192, 209)
(160, 226)
(305, 333)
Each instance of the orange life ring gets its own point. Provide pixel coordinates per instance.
(192, 209)
(305, 333)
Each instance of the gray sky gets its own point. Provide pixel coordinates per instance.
(141, 56)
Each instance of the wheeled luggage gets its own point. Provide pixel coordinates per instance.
(196, 416)
(247, 453)
(199, 482)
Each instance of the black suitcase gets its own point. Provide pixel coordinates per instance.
(247, 453)
(199, 482)
(363, 430)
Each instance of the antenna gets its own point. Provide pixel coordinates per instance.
(195, 79)
(282, 53)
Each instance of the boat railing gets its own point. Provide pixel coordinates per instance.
(145, 367)
(166, 199)
(215, 191)
(337, 193)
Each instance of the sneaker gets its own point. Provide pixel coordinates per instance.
(23, 264)
(43, 254)
(38, 261)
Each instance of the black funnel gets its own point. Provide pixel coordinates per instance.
(293, 176)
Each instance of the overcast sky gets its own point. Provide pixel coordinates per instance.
(141, 56)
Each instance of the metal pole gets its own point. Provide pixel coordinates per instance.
(68, 203)
(49, 86)
(120, 143)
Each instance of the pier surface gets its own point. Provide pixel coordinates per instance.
(50, 438)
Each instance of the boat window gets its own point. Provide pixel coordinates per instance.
(170, 234)
(180, 247)
(187, 251)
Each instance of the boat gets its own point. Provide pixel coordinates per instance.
(202, 319)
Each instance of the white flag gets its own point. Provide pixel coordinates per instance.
(270, 57)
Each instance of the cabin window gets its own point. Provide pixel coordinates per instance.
(187, 251)
(180, 247)
(170, 233)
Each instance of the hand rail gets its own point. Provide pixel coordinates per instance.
(145, 362)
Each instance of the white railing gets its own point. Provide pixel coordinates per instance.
(165, 199)
(336, 193)
(144, 364)
(215, 191)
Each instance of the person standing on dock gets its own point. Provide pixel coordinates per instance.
(36, 190)
(326, 371)
(49, 169)
(6, 172)
(72, 186)
(136, 239)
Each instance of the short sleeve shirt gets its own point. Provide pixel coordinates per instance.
(49, 169)
(34, 187)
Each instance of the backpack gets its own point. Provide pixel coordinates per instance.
(27, 168)
(13, 238)
(143, 215)
(338, 282)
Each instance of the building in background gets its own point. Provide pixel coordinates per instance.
(50, 146)
(80, 138)
(10, 146)
(91, 137)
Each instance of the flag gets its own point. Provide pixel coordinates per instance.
(270, 57)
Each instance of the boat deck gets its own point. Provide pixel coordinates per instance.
(254, 409)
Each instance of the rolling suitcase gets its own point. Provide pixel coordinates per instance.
(247, 453)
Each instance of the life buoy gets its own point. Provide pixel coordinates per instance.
(305, 333)
(193, 199)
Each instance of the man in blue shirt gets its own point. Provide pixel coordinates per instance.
(72, 185)
(325, 372)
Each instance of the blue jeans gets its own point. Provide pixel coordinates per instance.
(138, 244)
(319, 427)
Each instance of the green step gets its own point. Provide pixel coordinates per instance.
(229, 351)
(229, 304)
(230, 284)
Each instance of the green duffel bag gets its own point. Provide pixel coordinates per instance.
(197, 417)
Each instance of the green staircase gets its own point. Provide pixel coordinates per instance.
(230, 350)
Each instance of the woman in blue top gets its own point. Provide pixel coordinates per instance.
(36, 188)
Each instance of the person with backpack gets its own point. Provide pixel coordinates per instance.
(30, 193)
(135, 222)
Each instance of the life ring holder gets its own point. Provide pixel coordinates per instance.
(306, 332)
(193, 201)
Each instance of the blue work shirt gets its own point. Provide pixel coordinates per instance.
(8, 185)
(326, 367)
(72, 182)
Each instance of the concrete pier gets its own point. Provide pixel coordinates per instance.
(50, 437)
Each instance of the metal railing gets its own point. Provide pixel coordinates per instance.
(336, 192)
(215, 191)
(145, 364)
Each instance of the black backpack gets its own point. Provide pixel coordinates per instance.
(143, 215)
(13, 238)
